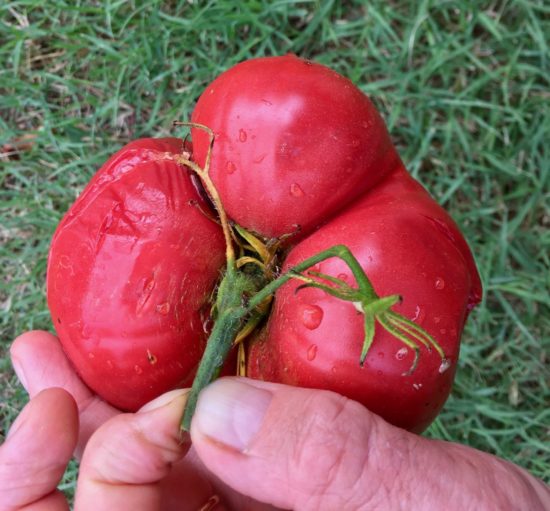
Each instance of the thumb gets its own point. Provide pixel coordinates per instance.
(299, 448)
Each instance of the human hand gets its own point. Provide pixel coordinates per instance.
(295, 448)
(41, 364)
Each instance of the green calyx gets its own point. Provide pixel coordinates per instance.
(376, 310)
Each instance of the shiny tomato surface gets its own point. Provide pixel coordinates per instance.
(407, 245)
(131, 265)
(295, 142)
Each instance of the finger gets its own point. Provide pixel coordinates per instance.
(128, 457)
(197, 487)
(36, 451)
(187, 489)
(39, 361)
(296, 448)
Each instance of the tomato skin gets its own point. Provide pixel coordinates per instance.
(294, 138)
(407, 245)
(130, 266)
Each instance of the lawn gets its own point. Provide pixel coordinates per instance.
(464, 89)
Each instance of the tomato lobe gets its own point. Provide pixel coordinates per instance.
(130, 267)
(292, 138)
(314, 340)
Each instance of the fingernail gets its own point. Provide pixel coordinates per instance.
(163, 400)
(231, 412)
(18, 368)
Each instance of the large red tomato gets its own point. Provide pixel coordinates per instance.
(134, 261)
(130, 267)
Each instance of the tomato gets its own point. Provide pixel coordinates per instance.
(130, 267)
(297, 147)
(407, 245)
(294, 139)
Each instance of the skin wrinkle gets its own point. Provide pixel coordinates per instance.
(355, 453)
(396, 453)
(391, 456)
(170, 446)
(471, 480)
(310, 453)
(40, 478)
(127, 460)
(330, 442)
(87, 404)
(26, 471)
(489, 477)
(157, 452)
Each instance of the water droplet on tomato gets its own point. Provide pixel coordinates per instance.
(230, 167)
(342, 276)
(138, 369)
(380, 354)
(401, 354)
(266, 102)
(242, 135)
(419, 314)
(312, 352)
(91, 355)
(355, 143)
(260, 158)
(333, 369)
(312, 315)
(439, 283)
(445, 364)
(417, 386)
(163, 308)
(295, 190)
(109, 364)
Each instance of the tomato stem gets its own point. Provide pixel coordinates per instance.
(204, 174)
(217, 349)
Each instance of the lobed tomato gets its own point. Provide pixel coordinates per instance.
(296, 147)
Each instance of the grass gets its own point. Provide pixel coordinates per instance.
(463, 87)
